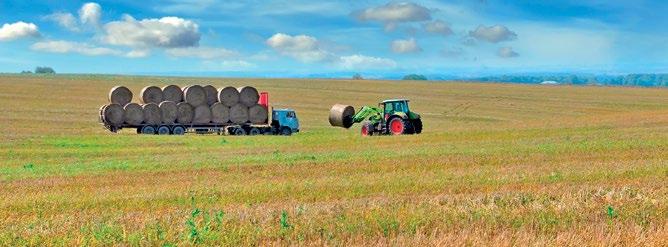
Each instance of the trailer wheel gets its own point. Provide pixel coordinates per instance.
(254, 131)
(163, 130)
(238, 132)
(286, 131)
(178, 130)
(148, 130)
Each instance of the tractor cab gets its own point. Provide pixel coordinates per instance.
(393, 107)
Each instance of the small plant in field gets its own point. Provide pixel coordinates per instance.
(285, 225)
(611, 212)
(29, 166)
(201, 223)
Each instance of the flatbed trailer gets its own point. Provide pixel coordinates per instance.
(219, 129)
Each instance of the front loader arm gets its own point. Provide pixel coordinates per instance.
(370, 113)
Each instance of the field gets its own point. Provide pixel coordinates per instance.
(497, 164)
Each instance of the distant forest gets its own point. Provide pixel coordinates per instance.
(643, 80)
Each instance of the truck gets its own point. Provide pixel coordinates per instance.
(282, 122)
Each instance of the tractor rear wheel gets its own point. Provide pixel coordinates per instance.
(417, 126)
(396, 126)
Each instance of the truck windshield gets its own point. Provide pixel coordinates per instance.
(291, 114)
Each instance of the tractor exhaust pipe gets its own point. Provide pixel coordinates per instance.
(341, 115)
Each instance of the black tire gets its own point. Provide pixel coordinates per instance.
(148, 130)
(396, 126)
(178, 130)
(417, 125)
(238, 132)
(286, 131)
(367, 129)
(254, 131)
(163, 130)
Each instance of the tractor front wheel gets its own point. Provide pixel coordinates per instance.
(367, 129)
(396, 126)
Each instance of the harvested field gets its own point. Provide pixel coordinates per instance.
(496, 164)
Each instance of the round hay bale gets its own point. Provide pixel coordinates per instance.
(120, 95)
(202, 115)
(229, 96)
(168, 111)
(134, 114)
(211, 94)
(257, 114)
(172, 93)
(194, 95)
(220, 113)
(112, 114)
(341, 115)
(152, 114)
(239, 114)
(248, 96)
(185, 113)
(151, 94)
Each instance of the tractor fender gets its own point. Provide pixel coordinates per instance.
(402, 115)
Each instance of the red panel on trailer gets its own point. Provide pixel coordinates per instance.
(264, 100)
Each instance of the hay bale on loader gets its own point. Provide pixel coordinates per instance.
(151, 94)
(194, 95)
(202, 115)
(120, 95)
(211, 94)
(248, 96)
(172, 93)
(152, 114)
(134, 114)
(185, 113)
(168, 111)
(112, 114)
(341, 115)
(220, 113)
(257, 114)
(239, 114)
(229, 96)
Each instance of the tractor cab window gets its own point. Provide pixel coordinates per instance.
(399, 106)
(389, 108)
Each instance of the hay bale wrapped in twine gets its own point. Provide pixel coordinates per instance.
(120, 95)
(229, 96)
(112, 114)
(168, 111)
(341, 115)
(152, 114)
(185, 113)
(194, 95)
(211, 94)
(202, 115)
(257, 114)
(172, 93)
(220, 113)
(239, 114)
(248, 96)
(134, 114)
(151, 94)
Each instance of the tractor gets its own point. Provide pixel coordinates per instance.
(391, 117)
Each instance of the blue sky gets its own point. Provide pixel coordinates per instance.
(292, 38)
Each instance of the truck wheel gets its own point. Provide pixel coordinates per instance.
(286, 131)
(178, 130)
(238, 132)
(148, 130)
(254, 131)
(396, 126)
(163, 130)
(367, 129)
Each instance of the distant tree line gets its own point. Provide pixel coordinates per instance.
(644, 80)
(40, 70)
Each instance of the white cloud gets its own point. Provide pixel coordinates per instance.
(438, 27)
(90, 14)
(395, 12)
(138, 53)
(356, 62)
(405, 46)
(202, 52)
(301, 47)
(228, 65)
(60, 46)
(493, 34)
(18, 30)
(507, 52)
(166, 32)
(65, 20)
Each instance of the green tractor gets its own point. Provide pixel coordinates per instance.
(391, 117)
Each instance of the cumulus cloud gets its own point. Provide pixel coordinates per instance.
(507, 52)
(90, 14)
(493, 34)
(66, 20)
(166, 32)
(356, 62)
(438, 27)
(405, 46)
(301, 47)
(60, 46)
(395, 12)
(18, 30)
(202, 52)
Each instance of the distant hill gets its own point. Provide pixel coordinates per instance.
(643, 80)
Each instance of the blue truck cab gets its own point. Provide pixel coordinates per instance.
(284, 121)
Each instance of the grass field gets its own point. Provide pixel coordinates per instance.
(496, 164)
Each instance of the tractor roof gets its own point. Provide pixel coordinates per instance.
(394, 100)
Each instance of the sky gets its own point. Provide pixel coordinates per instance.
(297, 38)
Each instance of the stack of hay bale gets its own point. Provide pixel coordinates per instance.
(190, 105)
